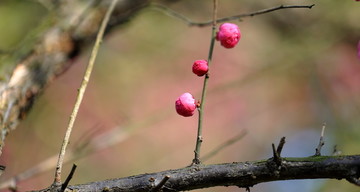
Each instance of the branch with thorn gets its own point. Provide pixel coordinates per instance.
(242, 174)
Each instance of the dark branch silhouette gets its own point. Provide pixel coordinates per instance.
(244, 175)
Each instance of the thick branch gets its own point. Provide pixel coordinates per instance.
(244, 174)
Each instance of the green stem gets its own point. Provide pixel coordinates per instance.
(199, 138)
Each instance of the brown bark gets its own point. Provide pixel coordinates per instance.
(244, 175)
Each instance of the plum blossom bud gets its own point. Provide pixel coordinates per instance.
(228, 35)
(200, 67)
(185, 105)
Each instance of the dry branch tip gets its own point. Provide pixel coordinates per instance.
(321, 141)
(69, 177)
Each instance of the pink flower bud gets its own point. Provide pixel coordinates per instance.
(200, 67)
(228, 35)
(185, 105)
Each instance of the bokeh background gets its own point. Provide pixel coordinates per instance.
(292, 71)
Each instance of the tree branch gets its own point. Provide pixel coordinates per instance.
(243, 174)
(188, 21)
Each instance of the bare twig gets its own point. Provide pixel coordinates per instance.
(188, 21)
(66, 183)
(224, 145)
(321, 141)
(57, 180)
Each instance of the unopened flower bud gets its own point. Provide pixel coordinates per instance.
(185, 105)
(228, 35)
(200, 67)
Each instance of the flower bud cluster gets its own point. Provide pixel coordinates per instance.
(228, 35)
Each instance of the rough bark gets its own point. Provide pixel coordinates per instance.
(244, 175)
(60, 42)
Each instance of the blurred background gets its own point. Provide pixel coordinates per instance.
(292, 71)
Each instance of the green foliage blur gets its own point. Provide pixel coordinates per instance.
(292, 71)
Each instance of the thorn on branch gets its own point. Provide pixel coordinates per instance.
(69, 177)
(281, 145)
(321, 141)
(277, 152)
(161, 184)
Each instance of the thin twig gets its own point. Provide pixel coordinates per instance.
(199, 138)
(188, 21)
(68, 179)
(224, 145)
(57, 180)
(321, 141)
